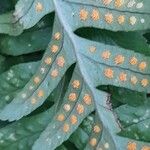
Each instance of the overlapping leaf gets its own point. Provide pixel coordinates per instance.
(22, 18)
(32, 40)
(135, 123)
(12, 81)
(29, 12)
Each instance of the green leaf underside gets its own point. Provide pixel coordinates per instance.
(79, 138)
(24, 44)
(138, 99)
(8, 25)
(90, 73)
(14, 80)
(6, 6)
(2, 62)
(23, 133)
(62, 147)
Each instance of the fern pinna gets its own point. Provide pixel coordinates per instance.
(97, 63)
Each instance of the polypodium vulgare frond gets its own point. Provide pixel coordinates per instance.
(96, 64)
